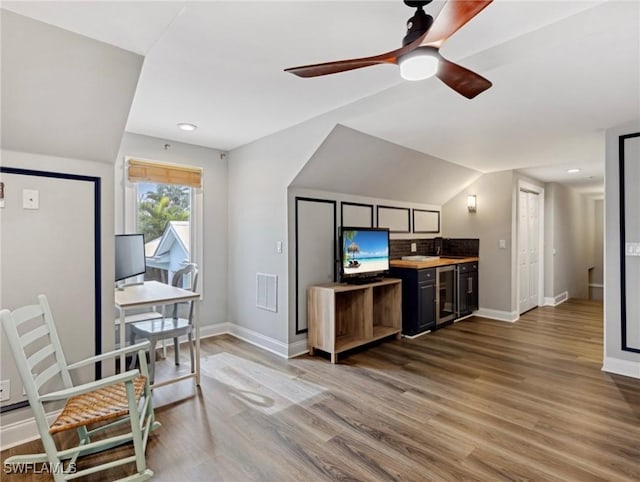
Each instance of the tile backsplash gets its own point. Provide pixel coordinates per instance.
(427, 247)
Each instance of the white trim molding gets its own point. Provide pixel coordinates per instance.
(262, 341)
(298, 348)
(556, 300)
(509, 316)
(22, 431)
(621, 367)
(272, 345)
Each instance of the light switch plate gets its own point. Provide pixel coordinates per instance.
(414, 247)
(30, 199)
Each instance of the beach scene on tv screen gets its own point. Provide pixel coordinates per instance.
(365, 251)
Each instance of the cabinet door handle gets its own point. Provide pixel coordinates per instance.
(469, 285)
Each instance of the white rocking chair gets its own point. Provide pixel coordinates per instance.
(121, 400)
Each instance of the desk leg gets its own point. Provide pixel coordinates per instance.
(122, 329)
(197, 360)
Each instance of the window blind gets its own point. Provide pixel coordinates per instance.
(146, 171)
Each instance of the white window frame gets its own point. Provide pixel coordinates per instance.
(196, 219)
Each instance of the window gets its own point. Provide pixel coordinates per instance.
(163, 202)
(164, 217)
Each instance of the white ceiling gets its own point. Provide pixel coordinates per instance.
(563, 71)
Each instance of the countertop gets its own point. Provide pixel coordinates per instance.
(433, 263)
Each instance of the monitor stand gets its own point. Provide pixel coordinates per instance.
(121, 285)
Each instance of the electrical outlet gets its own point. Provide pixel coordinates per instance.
(5, 390)
(414, 247)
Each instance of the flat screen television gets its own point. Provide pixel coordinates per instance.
(364, 254)
(130, 260)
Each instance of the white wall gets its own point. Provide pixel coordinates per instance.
(259, 174)
(616, 360)
(213, 307)
(63, 94)
(65, 102)
(598, 249)
(81, 167)
(571, 233)
(491, 223)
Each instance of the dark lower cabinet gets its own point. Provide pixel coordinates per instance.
(467, 288)
(419, 295)
(418, 299)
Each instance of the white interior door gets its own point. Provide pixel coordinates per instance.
(528, 249)
(533, 229)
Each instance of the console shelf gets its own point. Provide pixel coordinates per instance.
(342, 316)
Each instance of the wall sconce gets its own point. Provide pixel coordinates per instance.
(471, 203)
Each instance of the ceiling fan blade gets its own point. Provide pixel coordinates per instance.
(462, 80)
(453, 15)
(326, 68)
(315, 70)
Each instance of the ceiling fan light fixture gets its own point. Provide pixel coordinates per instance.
(418, 64)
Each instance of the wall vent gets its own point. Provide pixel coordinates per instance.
(561, 298)
(267, 291)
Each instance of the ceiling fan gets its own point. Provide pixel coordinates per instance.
(419, 57)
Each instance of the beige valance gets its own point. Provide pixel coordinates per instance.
(147, 171)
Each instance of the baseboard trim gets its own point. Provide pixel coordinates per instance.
(413, 337)
(621, 367)
(298, 348)
(261, 341)
(272, 345)
(22, 431)
(509, 316)
(216, 330)
(556, 300)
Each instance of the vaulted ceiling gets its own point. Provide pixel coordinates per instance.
(562, 73)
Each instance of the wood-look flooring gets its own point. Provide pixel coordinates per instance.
(478, 400)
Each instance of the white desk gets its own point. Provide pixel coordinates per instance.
(154, 293)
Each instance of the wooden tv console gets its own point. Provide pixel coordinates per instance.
(344, 316)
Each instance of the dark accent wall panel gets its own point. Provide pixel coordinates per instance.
(629, 178)
(90, 197)
(357, 215)
(315, 250)
(396, 219)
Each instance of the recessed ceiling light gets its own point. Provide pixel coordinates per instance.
(573, 171)
(187, 127)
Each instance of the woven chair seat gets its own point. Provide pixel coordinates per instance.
(97, 406)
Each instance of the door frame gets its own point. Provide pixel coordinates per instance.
(523, 185)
